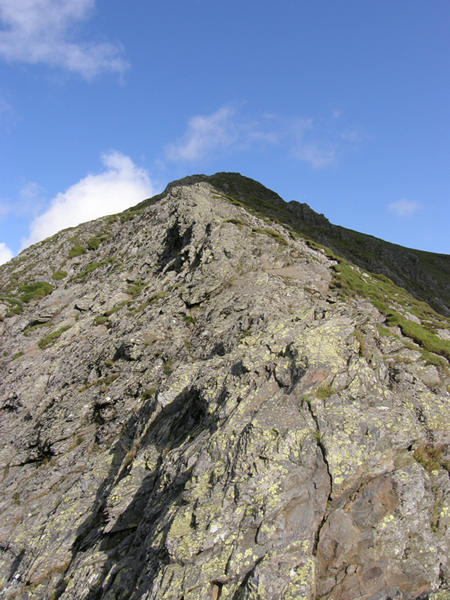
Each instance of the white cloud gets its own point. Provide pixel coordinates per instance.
(319, 154)
(316, 155)
(40, 31)
(227, 130)
(205, 134)
(405, 208)
(5, 254)
(352, 135)
(120, 186)
(30, 190)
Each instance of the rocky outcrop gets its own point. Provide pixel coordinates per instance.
(191, 409)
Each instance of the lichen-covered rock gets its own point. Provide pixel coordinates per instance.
(193, 413)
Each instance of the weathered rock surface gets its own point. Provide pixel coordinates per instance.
(193, 413)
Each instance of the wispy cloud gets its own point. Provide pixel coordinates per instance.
(5, 254)
(30, 191)
(29, 202)
(318, 156)
(319, 153)
(122, 184)
(405, 208)
(228, 130)
(41, 31)
(353, 135)
(205, 133)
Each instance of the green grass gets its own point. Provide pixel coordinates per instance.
(52, 337)
(18, 355)
(32, 328)
(324, 393)
(101, 320)
(168, 368)
(116, 309)
(91, 267)
(16, 307)
(94, 242)
(136, 289)
(148, 393)
(76, 251)
(239, 222)
(58, 275)
(426, 339)
(35, 291)
(246, 333)
(430, 457)
(384, 294)
(384, 331)
(103, 382)
(382, 291)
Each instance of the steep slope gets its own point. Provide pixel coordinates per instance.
(425, 275)
(197, 403)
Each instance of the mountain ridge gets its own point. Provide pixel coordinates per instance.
(199, 403)
(426, 275)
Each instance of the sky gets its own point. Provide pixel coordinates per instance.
(342, 104)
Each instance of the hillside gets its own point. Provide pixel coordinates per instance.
(425, 275)
(205, 397)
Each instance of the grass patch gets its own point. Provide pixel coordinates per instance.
(384, 331)
(35, 291)
(103, 382)
(361, 342)
(428, 357)
(239, 222)
(30, 329)
(430, 457)
(94, 242)
(15, 305)
(426, 339)
(127, 216)
(58, 275)
(325, 392)
(91, 267)
(168, 367)
(148, 393)
(76, 251)
(384, 295)
(116, 309)
(188, 319)
(246, 333)
(18, 355)
(136, 289)
(53, 336)
(101, 320)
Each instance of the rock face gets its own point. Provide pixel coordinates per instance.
(191, 409)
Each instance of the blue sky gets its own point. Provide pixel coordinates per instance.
(342, 104)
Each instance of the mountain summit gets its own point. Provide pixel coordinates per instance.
(212, 395)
